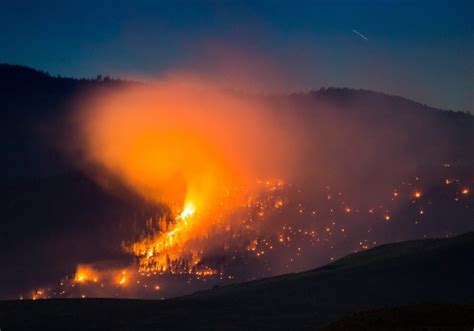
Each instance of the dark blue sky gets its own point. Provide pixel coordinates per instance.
(421, 50)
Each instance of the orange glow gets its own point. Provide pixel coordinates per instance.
(465, 191)
(278, 203)
(38, 294)
(84, 274)
(417, 194)
(122, 279)
(206, 272)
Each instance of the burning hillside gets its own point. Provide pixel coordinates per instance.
(281, 230)
(250, 189)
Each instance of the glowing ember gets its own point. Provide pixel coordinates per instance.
(84, 274)
(122, 279)
(38, 294)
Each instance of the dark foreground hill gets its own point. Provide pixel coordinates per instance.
(434, 271)
(413, 317)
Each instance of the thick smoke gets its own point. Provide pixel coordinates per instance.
(184, 139)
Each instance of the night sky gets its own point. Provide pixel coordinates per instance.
(420, 50)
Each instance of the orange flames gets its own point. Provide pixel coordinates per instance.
(177, 249)
(85, 273)
(122, 279)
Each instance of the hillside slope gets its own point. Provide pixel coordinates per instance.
(434, 271)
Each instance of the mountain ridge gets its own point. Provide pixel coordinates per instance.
(23, 73)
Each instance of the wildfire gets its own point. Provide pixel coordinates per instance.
(180, 246)
(191, 154)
